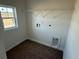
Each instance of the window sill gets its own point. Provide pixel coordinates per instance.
(6, 29)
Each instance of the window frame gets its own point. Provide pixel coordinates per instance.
(15, 17)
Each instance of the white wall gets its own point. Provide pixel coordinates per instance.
(2, 50)
(72, 47)
(45, 12)
(2, 47)
(15, 36)
(27, 28)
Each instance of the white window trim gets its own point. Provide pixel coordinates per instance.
(15, 15)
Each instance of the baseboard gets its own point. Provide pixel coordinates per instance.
(15, 45)
(43, 43)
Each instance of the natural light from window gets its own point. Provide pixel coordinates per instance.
(8, 15)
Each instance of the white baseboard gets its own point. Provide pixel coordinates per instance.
(15, 45)
(31, 40)
(44, 43)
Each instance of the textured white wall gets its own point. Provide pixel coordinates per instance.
(15, 36)
(2, 47)
(2, 50)
(72, 47)
(59, 21)
(45, 12)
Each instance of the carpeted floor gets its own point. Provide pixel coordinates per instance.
(32, 50)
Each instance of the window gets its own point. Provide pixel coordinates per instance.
(8, 15)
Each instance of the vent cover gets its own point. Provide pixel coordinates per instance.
(55, 42)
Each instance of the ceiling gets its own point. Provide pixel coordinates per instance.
(50, 4)
(45, 4)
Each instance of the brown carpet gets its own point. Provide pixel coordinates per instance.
(32, 50)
